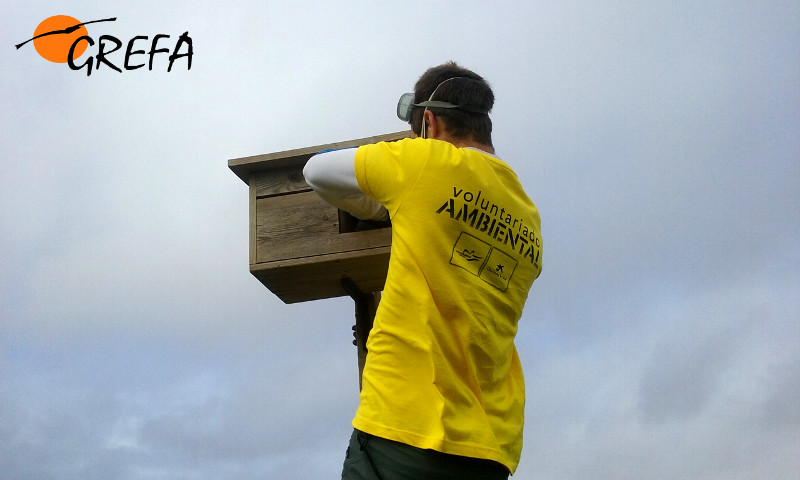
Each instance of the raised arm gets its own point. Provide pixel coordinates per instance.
(332, 175)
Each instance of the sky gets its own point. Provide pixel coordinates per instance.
(659, 140)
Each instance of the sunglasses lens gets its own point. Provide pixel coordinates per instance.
(404, 107)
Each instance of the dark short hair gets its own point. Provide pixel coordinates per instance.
(466, 88)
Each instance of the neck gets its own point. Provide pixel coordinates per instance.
(467, 143)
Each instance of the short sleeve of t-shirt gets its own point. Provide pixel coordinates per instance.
(386, 170)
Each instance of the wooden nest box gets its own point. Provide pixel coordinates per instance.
(301, 247)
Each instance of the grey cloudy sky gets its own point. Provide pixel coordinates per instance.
(660, 141)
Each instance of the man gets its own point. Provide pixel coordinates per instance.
(442, 389)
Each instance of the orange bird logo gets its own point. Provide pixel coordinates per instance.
(55, 36)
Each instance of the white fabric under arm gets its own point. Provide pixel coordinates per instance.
(333, 176)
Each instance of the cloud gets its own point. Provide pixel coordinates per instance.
(704, 379)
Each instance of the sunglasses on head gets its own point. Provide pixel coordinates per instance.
(406, 105)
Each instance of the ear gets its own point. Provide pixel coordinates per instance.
(434, 128)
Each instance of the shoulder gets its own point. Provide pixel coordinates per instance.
(407, 146)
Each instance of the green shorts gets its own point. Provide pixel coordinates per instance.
(373, 458)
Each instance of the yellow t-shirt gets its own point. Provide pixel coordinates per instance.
(442, 371)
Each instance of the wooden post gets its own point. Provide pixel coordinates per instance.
(366, 307)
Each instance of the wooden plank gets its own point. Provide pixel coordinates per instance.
(292, 226)
(244, 166)
(279, 181)
(313, 278)
(252, 221)
(304, 225)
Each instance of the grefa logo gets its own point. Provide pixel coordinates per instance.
(64, 39)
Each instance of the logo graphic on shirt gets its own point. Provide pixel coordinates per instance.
(494, 222)
(470, 256)
(483, 260)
